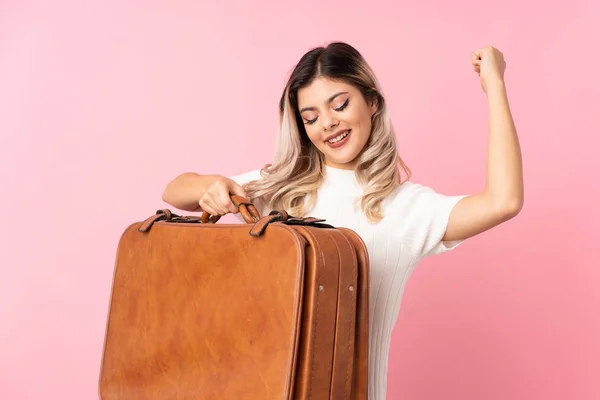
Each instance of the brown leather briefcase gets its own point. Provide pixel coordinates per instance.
(276, 308)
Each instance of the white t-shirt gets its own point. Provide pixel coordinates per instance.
(415, 222)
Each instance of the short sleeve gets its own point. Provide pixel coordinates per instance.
(426, 217)
(441, 208)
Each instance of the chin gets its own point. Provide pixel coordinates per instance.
(338, 159)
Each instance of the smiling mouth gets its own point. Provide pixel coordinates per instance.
(339, 137)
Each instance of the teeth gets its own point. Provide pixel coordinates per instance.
(338, 138)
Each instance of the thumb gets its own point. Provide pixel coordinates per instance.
(237, 189)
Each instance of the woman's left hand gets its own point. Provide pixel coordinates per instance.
(489, 64)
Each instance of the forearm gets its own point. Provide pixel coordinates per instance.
(504, 183)
(185, 191)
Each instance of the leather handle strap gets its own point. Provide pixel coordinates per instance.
(248, 211)
(160, 215)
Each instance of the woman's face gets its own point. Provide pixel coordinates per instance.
(337, 120)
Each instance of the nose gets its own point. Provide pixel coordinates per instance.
(329, 121)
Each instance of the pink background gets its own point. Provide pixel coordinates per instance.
(101, 104)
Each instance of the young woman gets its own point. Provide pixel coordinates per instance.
(337, 159)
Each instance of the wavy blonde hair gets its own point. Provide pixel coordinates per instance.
(298, 167)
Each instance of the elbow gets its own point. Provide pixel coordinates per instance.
(169, 194)
(180, 193)
(166, 194)
(515, 206)
(165, 197)
(510, 208)
(170, 199)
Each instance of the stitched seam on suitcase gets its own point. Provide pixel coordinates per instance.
(348, 329)
(312, 363)
(351, 332)
(350, 318)
(303, 248)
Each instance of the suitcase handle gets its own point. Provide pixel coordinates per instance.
(245, 207)
(248, 211)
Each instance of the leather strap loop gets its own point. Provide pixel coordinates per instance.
(160, 215)
(248, 211)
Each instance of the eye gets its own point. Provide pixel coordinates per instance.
(310, 121)
(343, 106)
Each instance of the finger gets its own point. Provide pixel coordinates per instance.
(222, 209)
(226, 202)
(215, 206)
(216, 198)
(237, 190)
(208, 209)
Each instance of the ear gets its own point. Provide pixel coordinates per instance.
(374, 106)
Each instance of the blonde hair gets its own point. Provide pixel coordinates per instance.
(298, 167)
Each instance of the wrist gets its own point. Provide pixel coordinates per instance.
(495, 85)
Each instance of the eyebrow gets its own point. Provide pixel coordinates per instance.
(328, 101)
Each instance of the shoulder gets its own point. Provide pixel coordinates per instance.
(409, 196)
(415, 196)
(422, 214)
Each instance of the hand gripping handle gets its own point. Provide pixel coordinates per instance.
(248, 211)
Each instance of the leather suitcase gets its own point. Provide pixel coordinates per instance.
(276, 308)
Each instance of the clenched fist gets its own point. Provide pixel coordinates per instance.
(217, 201)
(489, 64)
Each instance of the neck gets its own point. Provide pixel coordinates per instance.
(347, 166)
